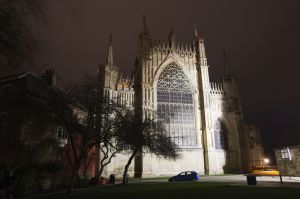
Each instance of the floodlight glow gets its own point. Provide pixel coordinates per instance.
(267, 161)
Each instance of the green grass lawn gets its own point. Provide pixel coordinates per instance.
(177, 190)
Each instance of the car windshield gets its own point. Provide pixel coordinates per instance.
(188, 173)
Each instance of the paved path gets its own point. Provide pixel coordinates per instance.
(240, 180)
(263, 181)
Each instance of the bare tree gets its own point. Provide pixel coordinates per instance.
(105, 112)
(99, 132)
(82, 140)
(113, 125)
(108, 131)
(108, 152)
(149, 135)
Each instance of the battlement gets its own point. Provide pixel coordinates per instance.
(125, 84)
(166, 48)
(216, 88)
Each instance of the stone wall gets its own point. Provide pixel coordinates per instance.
(288, 165)
(190, 160)
(118, 163)
(256, 147)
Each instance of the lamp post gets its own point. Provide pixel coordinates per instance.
(266, 161)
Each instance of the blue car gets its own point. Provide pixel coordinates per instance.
(185, 176)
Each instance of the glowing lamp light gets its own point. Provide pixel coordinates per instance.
(266, 160)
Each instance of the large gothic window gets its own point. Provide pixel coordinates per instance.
(175, 105)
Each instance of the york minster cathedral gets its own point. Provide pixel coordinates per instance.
(207, 120)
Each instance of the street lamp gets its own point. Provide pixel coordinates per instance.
(266, 161)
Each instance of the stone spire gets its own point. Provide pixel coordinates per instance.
(199, 47)
(144, 24)
(226, 63)
(172, 38)
(196, 35)
(195, 31)
(110, 60)
(145, 42)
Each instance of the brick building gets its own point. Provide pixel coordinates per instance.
(33, 110)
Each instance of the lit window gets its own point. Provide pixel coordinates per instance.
(61, 132)
(286, 154)
(3, 118)
(62, 136)
(175, 105)
(219, 135)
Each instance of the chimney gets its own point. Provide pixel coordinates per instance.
(50, 77)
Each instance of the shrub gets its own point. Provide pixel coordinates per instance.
(52, 167)
(47, 175)
(24, 185)
(3, 176)
(94, 181)
(83, 182)
(46, 184)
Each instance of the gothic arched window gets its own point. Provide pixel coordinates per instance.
(219, 135)
(175, 105)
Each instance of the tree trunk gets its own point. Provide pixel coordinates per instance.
(103, 165)
(71, 183)
(101, 169)
(100, 172)
(124, 181)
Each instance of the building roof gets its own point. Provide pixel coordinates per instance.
(38, 86)
(287, 147)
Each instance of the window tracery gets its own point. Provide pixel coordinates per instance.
(175, 105)
(219, 135)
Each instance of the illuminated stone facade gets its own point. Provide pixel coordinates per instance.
(206, 118)
(256, 147)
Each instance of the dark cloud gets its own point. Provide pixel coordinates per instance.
(261, 39)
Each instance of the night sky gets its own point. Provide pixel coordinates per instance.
(261, 37)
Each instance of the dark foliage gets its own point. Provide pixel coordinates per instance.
(25, 184)
(31, 178)
(4, 173)
(18, 43)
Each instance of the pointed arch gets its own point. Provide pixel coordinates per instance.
(220, 136)
(169, 61)
(175, 104)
